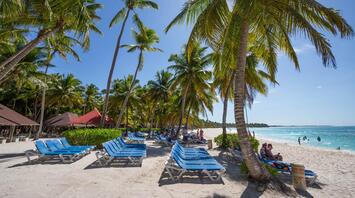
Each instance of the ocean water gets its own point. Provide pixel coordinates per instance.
(332, 137)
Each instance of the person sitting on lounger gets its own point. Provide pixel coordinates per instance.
(185, 135)
(263, 150)
(201, 135)
(270, 155)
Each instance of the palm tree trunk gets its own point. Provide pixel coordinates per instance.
(10, 63)
(177, 134)
(112, 69)
(42, 106)
(256, 171)
(152, 120)
(126, 120)
(225, 109)
(124, 104)
(187, 118)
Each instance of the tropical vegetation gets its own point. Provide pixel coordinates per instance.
(238, 28)
(231, 52)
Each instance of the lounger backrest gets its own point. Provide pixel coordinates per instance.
(177, 158)
(51, 145)
(41, 147)
(65, 142)
(116, 145)
(108, 148)
(121, 141)
(58, 144)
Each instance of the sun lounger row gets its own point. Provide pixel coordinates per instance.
(160, 139)
(57, 149)
(135, 138)
(118, 149)
(184, 160)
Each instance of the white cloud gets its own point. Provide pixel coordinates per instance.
(319, 87)
(304, 48)
(256, 102)
(272, 91)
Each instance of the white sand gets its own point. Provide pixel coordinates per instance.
(84, 179)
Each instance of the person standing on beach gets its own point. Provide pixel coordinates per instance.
(299, 140)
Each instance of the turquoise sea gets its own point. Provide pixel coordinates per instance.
(332, 137)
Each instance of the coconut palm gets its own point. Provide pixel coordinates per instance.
(122, 14)
(190, 74)
(91, 97)
(199, 102)
(268, 25)
(158, 91)
(62, 45)
(255, 79)
(120, 90)
(145, 39)
(51, 19)
(65, 92)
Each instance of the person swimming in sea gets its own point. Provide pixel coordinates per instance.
(318, 138)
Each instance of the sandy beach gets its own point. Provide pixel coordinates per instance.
(84, 178)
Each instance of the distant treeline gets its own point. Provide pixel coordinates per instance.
(211, 124)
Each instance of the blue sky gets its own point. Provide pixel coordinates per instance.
(316, 95)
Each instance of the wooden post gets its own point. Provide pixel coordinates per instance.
(298, 177)
(209, 143)
(12, 131)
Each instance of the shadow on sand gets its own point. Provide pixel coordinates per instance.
(156, 150)
(190, 178)
(52, 161)
(121, 163)
(10, 156)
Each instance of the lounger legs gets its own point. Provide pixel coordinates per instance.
(103, 159)
(211, 173)
(30, 153)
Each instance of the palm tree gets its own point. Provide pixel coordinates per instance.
(158, 91)
(91, 97)
(65, 92)
(199, 101)
(269, 28)
(120, 90)
(145, 39)
(130, 6)
(224, 77)
(62, 45)
(51, 19)
(190, 74)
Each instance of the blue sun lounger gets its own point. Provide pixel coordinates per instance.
(160, 139)
(191, 154)
(113, 152)
(140, 134)
(67, 145)
(132, 137)
(125, 145)
(44, 152)
(176, 165)
(55, 144)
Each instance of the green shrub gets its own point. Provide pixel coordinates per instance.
(91, 136)
(232, 141)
